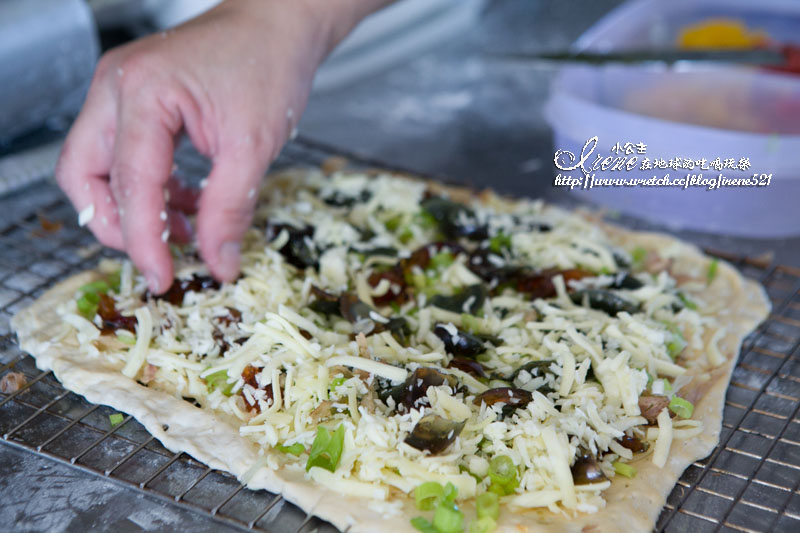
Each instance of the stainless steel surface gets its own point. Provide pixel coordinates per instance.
(48, 50)
(749, 483)
(752, 56)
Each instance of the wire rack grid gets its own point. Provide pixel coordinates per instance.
(751, 482)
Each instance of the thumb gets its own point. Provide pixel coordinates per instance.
(226, 210)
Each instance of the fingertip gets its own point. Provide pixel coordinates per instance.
(225, 263)
(159, 276)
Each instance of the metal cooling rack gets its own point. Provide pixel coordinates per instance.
(751, 482)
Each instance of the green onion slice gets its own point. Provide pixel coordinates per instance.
(502, 470)
(448, 519)
(682, 408)
(712, 270)
(441, 261)
(500, 242)
(86, 306)
(488, 505)
(95, 287)
(428, 495)
(423, 525)
(126, 338)
(638, 255)
(115, 419)
(326, 449)
(483, 525)
(687, 302)
(624, 469)
(294, 449)
(219, 380)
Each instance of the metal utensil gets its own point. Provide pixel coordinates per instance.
(750, 56)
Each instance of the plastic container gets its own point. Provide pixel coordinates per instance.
(690, 112)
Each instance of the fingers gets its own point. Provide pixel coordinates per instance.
(226, 209)
(141, 169)
(84, 163)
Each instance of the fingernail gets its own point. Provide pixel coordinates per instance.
(229, 260)
(153, 282)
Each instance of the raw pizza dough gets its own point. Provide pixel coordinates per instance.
(632, 504)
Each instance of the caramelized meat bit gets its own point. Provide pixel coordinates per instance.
(12, 382)
(397, 292)
(540, 285)
(197, 283)
(586, 469)
(249, 376)
(434, 434)
(149, 373)
(234, 316)
(113, 319)
(321, 412)
(650, 406)
(400, 274)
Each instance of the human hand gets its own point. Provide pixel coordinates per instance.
(236, 80)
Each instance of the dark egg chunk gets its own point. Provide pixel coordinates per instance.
(586, 469)
(462, 344)
(605, 301)
(416, 387)
(470, 366)
(513, 398)
(434, 434)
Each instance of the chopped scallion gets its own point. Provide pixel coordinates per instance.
(393, 223)
(421, 524)
(95, 287)
(126, 338)
(326, 449)
(336, 382)
(502, 470)
(687, 302)
(471, 323)
(638, 255)
(624, 469)
(712, 270)
(448, 519)
(428, 495)
(115, 419)
(294, 449)
(682, 408)
(483, 525)
(500, 242)
(219, 380)
(86, 306)
(488, 505)
(441, 261)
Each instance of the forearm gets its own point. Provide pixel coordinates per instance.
(333, 19)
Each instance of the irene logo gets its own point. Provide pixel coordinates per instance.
(629, 157)
(565, 160)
